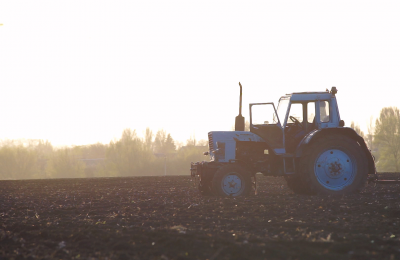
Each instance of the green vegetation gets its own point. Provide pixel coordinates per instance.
(383, 139)
(387, 139)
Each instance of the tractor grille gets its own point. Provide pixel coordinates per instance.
(210, 141)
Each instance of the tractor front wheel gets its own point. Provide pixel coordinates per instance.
(231, 180)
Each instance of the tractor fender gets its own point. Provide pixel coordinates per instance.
(314, 135)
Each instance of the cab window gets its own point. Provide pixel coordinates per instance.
(296, 110)
(324, 111)
(310, 112)
(263, 114)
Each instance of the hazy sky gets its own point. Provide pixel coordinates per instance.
(79, 72)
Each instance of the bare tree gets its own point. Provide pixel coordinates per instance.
(369, 138)
(148, 138)
(191, 141)
(357, 128)
(163, 142)
(202, 142)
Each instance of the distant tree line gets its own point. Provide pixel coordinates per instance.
(154, 154)
(157, 154)
(383, 139)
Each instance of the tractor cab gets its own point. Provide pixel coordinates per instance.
(297, 114)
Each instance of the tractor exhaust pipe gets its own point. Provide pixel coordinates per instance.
(239, 120)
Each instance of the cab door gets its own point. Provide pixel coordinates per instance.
(265, 123)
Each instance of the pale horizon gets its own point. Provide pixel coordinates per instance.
(78, 73)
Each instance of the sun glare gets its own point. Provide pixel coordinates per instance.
(176, 67)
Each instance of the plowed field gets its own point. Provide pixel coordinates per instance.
(166, 218)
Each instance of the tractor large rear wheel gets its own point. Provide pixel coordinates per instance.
(231, 180)
(334, 165)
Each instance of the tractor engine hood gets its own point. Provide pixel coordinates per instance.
(223, 143)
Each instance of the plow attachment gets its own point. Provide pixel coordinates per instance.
(383, 180)
(386, 181)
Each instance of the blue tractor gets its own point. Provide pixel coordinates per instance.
(303, 140)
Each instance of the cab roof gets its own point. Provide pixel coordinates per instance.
(309, 96)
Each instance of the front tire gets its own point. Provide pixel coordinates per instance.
(231, 180)
(334, 165)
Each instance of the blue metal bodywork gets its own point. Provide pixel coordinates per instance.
(223, 143)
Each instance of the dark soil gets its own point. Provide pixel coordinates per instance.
(166, 218)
